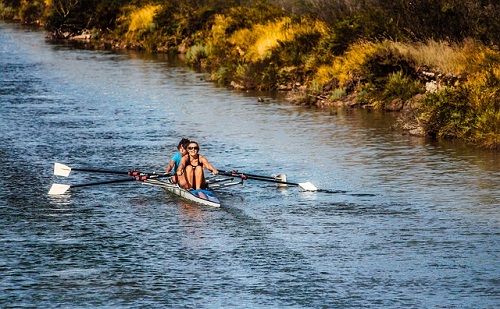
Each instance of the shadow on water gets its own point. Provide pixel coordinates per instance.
(345, 192)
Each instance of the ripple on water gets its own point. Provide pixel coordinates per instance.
(398, 222)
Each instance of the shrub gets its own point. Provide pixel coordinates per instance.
(141, 19)
(337, 94)
(195, 54)
(443, 112)
(470, 111)
(262, 41)
(400, 86)
(348, 67)
(483, 95)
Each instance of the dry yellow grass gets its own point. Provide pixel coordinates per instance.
(439, 56)
(445, 57)
(256, 44)
(345, 67)
(142, 18)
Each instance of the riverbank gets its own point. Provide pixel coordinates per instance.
(440, 88)
(437, 89)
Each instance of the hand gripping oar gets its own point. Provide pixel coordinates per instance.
(64, 170)
(304, 185)
(58, 189)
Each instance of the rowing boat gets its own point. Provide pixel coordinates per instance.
(163, 181)
(202, 196)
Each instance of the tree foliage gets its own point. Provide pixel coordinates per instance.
(353, 19)
(76, 15)
(403, 20)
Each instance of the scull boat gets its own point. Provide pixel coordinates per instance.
(202, 196)
(163, 181)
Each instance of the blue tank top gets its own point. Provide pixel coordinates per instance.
(177, 160)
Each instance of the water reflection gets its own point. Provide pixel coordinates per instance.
(190, 213)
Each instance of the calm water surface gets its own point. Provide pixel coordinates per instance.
(401, 222)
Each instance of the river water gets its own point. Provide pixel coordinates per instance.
(400, 222)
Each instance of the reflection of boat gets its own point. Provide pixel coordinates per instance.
(203, 197)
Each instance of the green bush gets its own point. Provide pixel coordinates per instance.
(450, 114)
(400, 86)
(195, 54)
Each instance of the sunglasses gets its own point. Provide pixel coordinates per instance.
(195, 148)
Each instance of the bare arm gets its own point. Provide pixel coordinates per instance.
(170, 166)
(208, 166)
(182, 166)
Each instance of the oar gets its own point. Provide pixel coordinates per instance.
(236, 173)
(58, 189)
(304, 185)
(64, 170)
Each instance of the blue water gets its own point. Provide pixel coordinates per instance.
(399, 222)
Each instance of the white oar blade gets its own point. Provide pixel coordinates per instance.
(308, 186)
(58, 189)
(61, 169)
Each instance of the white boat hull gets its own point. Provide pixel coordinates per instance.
(202, 197)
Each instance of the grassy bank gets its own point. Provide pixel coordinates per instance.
(363, 57)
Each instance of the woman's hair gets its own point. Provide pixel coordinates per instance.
(184, 142)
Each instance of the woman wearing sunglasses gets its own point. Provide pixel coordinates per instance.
(191, 168)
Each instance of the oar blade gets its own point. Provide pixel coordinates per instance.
(58, 189)
(308, 186)
(61, 169)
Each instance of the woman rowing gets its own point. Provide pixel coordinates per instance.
(191, 168)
